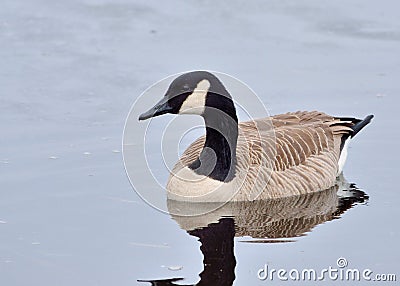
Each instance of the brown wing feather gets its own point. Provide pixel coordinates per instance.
(302, 157)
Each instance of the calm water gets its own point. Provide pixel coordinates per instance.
(70, 71)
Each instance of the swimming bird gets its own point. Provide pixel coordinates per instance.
(278, 156)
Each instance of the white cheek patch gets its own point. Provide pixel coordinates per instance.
(195, 103)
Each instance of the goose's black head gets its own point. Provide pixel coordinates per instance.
(197, 92)
(202, 93)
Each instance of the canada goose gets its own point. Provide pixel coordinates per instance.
(278, 156)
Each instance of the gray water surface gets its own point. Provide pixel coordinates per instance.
(69, 72)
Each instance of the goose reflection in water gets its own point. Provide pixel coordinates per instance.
(269, 221)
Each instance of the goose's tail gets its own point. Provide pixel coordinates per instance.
(356, 125)
(361, 124)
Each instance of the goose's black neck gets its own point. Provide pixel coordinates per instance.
(217, 160)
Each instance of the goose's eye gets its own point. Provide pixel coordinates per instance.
(185, 87)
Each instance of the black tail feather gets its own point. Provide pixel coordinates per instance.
(358, 124)
(361, 124)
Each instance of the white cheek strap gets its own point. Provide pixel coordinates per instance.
(195, 103)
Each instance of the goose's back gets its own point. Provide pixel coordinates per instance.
(283, 155)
